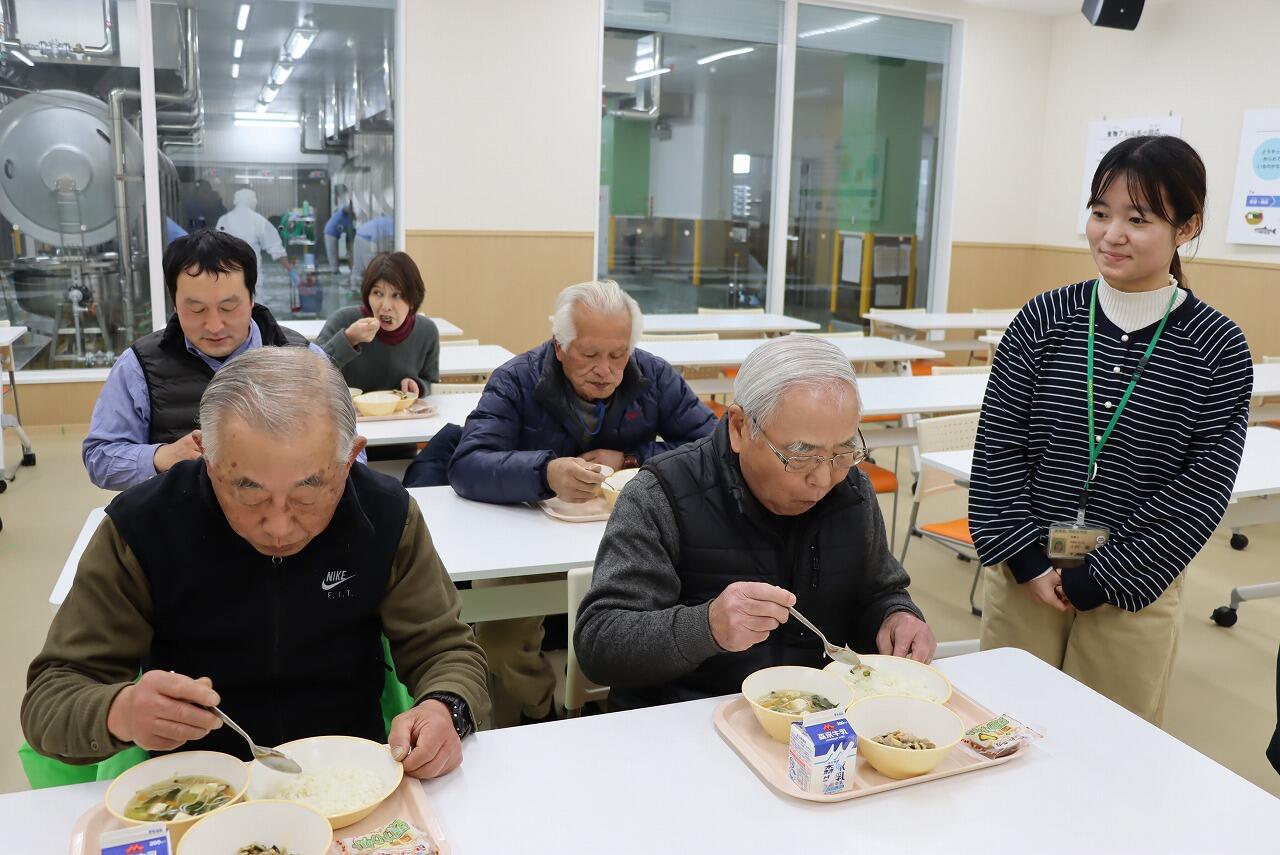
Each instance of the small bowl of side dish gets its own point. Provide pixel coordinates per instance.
(794, 692)
(177, 789)
(906, 718)
(344, 778)
(377, 403)
(254, 828)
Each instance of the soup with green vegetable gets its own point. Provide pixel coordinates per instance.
(179, 798)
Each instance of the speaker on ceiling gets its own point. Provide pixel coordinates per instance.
(1119, 14)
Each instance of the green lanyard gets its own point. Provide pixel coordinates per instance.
(1097, 442)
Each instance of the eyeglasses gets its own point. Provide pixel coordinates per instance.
(804, 464)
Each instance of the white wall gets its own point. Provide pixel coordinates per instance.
(1198, 60)
(501, 108)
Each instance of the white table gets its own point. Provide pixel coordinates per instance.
(924, 322)
(311, 329)
(661, 779)
(9, 335)
(449, 409)
(466, 360)
(728, 323)
(732, 352)
(475, 540)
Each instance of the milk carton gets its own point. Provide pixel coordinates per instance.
(822, 744)
(136, 840)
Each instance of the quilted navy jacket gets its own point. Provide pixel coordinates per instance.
(526, 418)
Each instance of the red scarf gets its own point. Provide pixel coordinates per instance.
(394, 336)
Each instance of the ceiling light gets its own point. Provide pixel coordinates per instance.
(299, 40)
(723, 54)
(280, 72)
(856, 22)
(238, 48)
(17, 54)
(654, 73)
(265, 123)
(261, 106)
(258, 116)
(242, 17)
(235, 69)
(268, 93)
(742, 164)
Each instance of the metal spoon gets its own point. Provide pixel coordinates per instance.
(840, 654)
(270, 757)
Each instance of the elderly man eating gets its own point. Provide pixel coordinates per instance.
(545, 421)
(710, 544)
(260, 578)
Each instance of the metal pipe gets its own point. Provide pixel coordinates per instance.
(111, 39)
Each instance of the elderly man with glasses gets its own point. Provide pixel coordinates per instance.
(710, 544)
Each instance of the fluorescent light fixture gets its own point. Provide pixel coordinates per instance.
(242, 17)
(741, 164)
(237, 48)
(17, 54)
(839, 28)
(280, 72)
(261, 107)
(235, 69)
(268, 93)
(724, 54)
(264, 123)
(299, 40)
(644, 75)
(260, 115)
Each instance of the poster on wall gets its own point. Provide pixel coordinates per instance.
(1105, 134)
(1255, 204)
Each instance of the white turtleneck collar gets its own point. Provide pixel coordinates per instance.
(1134, 310)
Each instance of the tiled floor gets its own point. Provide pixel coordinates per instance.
(1222, 701)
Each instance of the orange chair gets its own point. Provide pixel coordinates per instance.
(945, 433)
(883, 481)
(717, 408)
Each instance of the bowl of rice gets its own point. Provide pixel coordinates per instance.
(344, 778)
(893, 675)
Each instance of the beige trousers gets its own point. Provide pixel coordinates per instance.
(514, 650)
(1127, 656)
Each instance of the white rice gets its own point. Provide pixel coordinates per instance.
(889, 681)
(331, 791)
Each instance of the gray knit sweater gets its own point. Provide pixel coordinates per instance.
(632, 631)
(375, 365)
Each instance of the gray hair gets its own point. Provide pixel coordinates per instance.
(789, 362)
(602, 296)
(281, 391)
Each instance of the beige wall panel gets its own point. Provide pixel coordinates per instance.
(499, 286)
(55, 403)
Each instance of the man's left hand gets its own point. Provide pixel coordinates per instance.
(904, 634)
(410, 385)
(612, 459)
(424, 741)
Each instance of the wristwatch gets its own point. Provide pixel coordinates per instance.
(458, 710)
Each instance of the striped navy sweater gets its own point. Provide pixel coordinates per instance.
(1166, 473)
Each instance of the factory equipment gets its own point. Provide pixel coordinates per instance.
(73, 259)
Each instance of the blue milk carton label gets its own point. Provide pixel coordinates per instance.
(822, 746)
(136, 840)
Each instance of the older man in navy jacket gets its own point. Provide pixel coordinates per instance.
(546, 419)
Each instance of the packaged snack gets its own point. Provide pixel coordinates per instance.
(998, 737)
(823, 745)
(397, 837)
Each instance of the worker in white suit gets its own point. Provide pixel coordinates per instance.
(244, 221)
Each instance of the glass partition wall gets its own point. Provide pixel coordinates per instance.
(271, 117)
(689, 142)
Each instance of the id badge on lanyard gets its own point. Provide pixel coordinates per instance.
(1070, 542)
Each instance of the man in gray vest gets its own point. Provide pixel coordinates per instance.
(144, 418)
(711, 543)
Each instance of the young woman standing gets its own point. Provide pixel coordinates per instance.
(1110, 437)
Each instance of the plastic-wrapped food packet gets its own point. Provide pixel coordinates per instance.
(1001, 736)
(395, 838)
